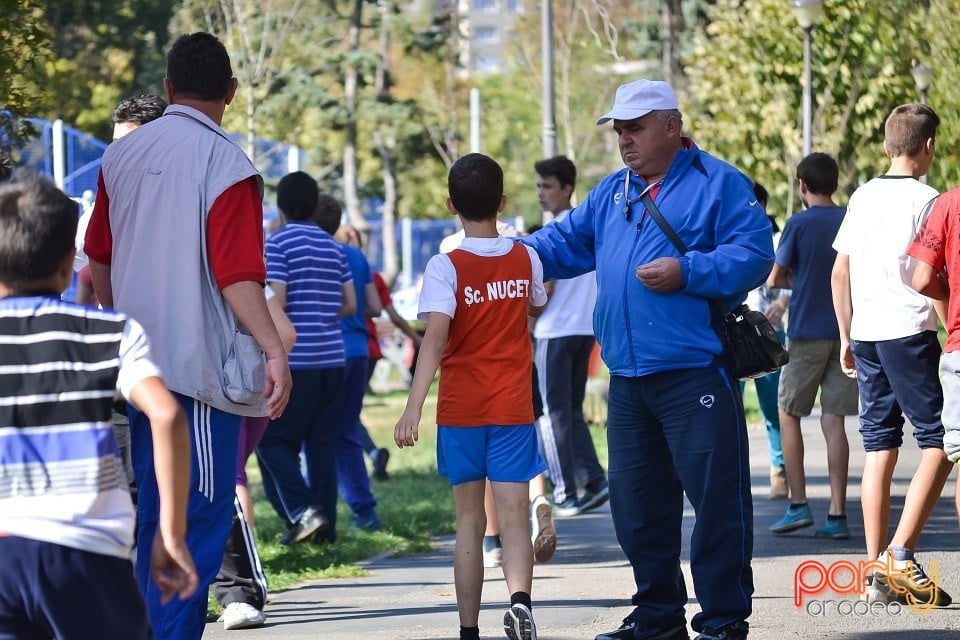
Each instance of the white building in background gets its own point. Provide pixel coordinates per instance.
(486, 28)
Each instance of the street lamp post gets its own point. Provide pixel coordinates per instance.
(808, 13)
(546, 35)
(922, 74)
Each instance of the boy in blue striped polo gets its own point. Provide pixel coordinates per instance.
(308, 272)
(66, 517)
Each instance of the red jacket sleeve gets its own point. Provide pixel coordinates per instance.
(98, 242)
(235, 235)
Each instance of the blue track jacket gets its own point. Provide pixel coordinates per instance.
(711, 206)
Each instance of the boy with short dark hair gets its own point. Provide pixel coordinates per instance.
(888, 341)
(475, 302)
(803, 263)
(65, 509)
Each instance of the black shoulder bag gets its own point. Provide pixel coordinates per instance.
(751, 346)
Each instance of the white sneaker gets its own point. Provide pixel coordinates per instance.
(240, 615)
(493, 558)
(543, 533)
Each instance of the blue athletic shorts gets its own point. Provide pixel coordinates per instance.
(500, 453)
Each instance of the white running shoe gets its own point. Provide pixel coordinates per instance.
(240, 615)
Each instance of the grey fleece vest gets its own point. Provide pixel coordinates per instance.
(162, 180)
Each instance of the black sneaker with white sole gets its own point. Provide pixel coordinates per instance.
(518, 623)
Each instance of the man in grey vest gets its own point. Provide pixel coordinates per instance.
(176, 241)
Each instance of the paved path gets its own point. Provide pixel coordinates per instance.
(586, 588)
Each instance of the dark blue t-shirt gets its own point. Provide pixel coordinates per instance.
(806, 248)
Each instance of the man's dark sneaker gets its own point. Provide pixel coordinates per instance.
(913, 583)
(595, 498)
(735, 631)
(310, 523)
(380, 464)
(629, 631)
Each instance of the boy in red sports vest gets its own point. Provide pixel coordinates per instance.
(475, 302)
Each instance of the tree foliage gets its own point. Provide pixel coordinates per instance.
(745, 75)
(24, 45)
(105, 50)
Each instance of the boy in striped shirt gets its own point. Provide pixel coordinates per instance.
(66, 517)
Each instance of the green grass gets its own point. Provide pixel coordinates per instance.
(414, 505)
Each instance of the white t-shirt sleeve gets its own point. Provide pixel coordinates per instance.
(135, 362)
(438, 293)
(842, 243)
(538, 295)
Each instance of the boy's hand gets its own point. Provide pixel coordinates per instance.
(407, 431)
(172, 569)
(847, 364)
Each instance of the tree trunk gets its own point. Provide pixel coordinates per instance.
(670, 28)
(251, 124)
(350, 197)
(388, 235)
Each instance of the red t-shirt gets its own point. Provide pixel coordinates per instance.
(235, 220)
(937, 244)
(373, 343)
(486, 367)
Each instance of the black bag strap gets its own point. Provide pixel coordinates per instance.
(719, 307)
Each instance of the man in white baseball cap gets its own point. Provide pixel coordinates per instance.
(674, 425)
(638, 98)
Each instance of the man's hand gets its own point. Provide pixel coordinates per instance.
(278, 384)
(172, 569)
(662, 275)
(846, 360)
(407, 431)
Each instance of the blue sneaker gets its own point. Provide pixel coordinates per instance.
(835, 529)
(796, 517)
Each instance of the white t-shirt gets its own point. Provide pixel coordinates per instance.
(882, 219)
(570, 310)
(439, 290)
(452, 241)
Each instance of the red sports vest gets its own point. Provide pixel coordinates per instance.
(485, 370)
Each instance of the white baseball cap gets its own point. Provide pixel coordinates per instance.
(638, 98)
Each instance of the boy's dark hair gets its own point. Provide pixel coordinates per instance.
(820, 173)
(475, 183)
(329, 213)
(761, 194)
(908, 128)
(559, 167)
(139, 109)
(198, 67)
(763, 197)
(38, 225)
(297, 195)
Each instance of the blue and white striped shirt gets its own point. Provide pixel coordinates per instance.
(312, 265)
(61, 476)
